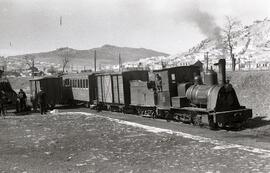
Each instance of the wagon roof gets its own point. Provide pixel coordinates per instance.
(172, 68)
(44, 77)
(119, 73)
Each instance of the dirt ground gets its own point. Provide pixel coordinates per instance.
(80, 143)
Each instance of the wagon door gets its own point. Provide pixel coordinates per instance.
(107, 89)
(115, 90)
(121, 89)
(99, 83)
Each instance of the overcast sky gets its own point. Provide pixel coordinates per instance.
(165, 25)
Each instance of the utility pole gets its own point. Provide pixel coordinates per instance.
(239, 61)
(119, 62)
(95, 60)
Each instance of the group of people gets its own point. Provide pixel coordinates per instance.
(40, 99)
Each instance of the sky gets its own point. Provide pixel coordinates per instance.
(169, 26)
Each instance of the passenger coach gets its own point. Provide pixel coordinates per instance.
(79, 88)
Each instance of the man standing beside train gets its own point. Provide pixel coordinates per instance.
(41, 96)
(22, 99)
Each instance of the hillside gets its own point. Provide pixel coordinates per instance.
(107, 54)
(252, 47)
(252, 43)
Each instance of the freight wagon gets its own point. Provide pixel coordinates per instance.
(113, 89)
(52, 85)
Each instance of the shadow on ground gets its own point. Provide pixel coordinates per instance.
(257, 122)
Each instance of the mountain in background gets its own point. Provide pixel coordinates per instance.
(252, 48)
(106, 55)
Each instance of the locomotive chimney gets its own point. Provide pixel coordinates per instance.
(222, 71)
(206, 62)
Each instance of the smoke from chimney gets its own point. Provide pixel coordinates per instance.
(204, 21)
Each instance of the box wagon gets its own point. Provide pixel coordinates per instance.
(52, 86)
(114, 88)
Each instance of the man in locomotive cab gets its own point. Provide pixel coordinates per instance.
(158, 82)
(41, 96)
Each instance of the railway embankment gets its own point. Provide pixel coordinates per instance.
(253, 90)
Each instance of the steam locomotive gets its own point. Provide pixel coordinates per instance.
(174, 93)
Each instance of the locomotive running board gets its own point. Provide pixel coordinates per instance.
(239, 115)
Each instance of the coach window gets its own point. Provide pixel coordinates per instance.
(86, 82)
(81, 83)
(66, 82)
(173, 77)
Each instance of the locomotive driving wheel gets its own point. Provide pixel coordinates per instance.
(197, 120)
(220, 125)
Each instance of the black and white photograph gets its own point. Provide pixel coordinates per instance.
(134, 86)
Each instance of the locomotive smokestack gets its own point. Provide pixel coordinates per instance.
(95, 60)
(206, 62)
(222, 71)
